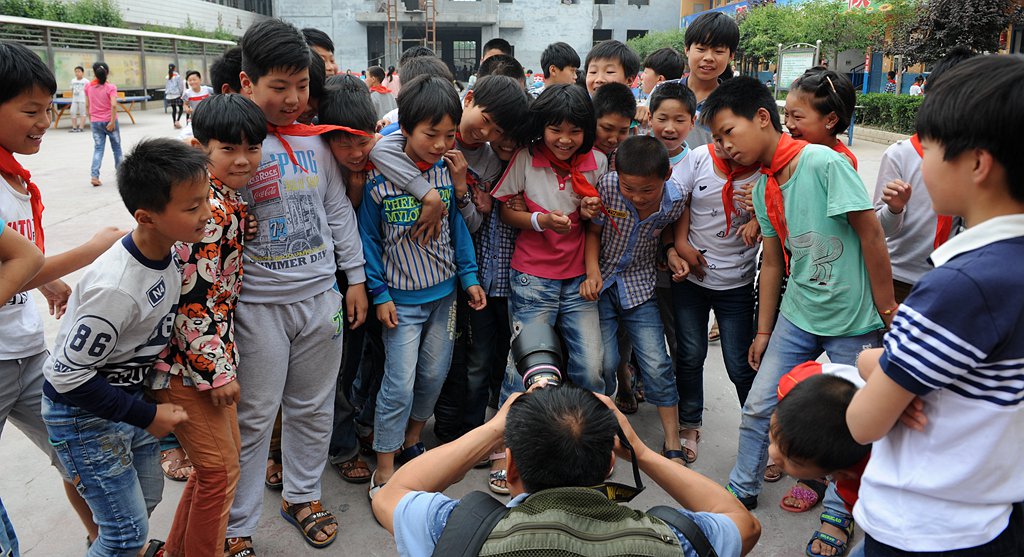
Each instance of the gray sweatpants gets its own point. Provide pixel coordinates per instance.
(289, 357)
(21, 396)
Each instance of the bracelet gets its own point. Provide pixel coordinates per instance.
(891, 310)
(665, 248)
(535, 221)
(760, 333)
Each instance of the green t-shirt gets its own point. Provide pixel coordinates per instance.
(829, 293)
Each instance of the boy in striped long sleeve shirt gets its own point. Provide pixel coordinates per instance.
(413, 283)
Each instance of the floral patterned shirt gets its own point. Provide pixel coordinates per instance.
(202, 348)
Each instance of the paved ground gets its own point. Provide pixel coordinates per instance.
(46, 525)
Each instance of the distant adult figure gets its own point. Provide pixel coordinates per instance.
(890, 86)
(173, 90)
(917, 89)
(101, 103)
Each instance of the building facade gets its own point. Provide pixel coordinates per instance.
(234, 16)
(374, 32)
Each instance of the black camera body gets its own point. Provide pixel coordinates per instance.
(537, 354)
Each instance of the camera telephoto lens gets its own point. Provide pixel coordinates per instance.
(537, 354)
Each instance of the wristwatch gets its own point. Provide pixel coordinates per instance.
(464, 199)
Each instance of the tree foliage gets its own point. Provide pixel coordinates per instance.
(942, 24)
(85, 12)
(660, 39)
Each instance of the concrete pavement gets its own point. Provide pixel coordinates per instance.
(46, 525)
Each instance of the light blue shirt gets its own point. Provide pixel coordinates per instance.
(420, 517)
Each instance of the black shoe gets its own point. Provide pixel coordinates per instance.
(749, 502)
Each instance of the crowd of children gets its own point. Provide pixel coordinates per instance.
(311, 231)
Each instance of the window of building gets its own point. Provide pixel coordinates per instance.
(639, 2)
(602, 35)
(604, 1)
(635, 33)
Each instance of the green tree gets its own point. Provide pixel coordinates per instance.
(943, 24)
(763, 27)
(653, 41)
(837, 27)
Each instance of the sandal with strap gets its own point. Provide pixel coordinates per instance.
(809, 495)
(498, 476)
(409, 453)
(674, 454)
(772, 473)
(375, 487)
(843, 523)
(314, 523)
(689, 446)
(274, 479)
(154, 548)
(173, 462)
(239, 547)
(351, 468)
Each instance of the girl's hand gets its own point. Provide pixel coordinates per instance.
(590, 206)
(111, 125)
(225, 395)
(483, 201)
(555, 220)
(477, 297)
(590, 288)
(678, 266)
(750, 232)
(516, 203)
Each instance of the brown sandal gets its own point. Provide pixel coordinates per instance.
(239, 547)
(312, 524)
(275, 475)
(350, 470)
(173, 462)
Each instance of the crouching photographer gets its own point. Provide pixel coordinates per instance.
(561, 443)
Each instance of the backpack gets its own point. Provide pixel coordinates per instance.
(565, 521)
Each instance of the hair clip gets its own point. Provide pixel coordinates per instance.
(830, 84)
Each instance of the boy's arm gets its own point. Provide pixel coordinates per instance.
(876, 260)
(772, 270)
(20, 260)
(57, 266)
(369, 232)
(388, 155)
(875, 408)
(465, 254)
(459, 168)
(341, 218)
(590, 289)
(693, 257)
(888, 171)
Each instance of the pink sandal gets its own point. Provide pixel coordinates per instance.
(809, 495)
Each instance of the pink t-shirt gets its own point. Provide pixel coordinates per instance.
(548, 254)
(99, 100)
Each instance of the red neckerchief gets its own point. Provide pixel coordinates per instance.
(944, 224)
(10, 166)
(727, 191)
(424, 166)
(580, 185)
(380, 89)
(842, 149)
(787, 149)
(306, 130)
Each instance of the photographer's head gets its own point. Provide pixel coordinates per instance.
(559, 437)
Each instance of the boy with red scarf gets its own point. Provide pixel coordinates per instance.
(382, 97)
(840, 292)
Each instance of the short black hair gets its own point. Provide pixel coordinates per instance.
(229, 118)
(810, 424)
(346, 102)
(672, 90)
(559, 55)
(497, 43)
(21, 70)
(225, 70)
(79, 68)
(744, 96)
(962, 112)
(952, 58)
(713, 29)
(502, 98)
(376, 72)
(501, 64)
(642, 155)
(317, 76)
(560, 437)
(614, 98)
(918, 78)
(666, 62)
(190, 73)
(414, 52)
(830, 92)
(147, 175)
(618, 51)
(425, 65)
(272, 44)
(891, 74)
(427, 99)
(557, 104)
(316, 37)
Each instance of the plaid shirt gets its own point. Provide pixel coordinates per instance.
(628, 254)
(494, 242)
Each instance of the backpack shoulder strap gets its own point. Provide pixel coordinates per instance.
(469, 525)
(687, 526)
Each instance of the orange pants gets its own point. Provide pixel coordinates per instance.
(210, 437)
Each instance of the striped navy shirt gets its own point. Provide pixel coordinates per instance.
(958, 343)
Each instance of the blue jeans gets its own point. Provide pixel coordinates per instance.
(734, 309)
(8, 541)
(642, 324)
(557, 303)
(99, 135)
(117, 468)
(789, 346)
(417, 355)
